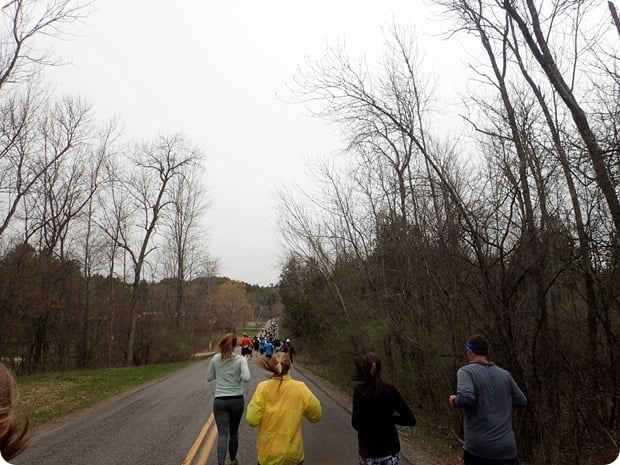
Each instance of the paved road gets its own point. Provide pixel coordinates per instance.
(169, 422)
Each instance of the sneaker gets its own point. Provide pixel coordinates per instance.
(234, 462)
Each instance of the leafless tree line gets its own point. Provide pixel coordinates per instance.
(420, 237)
(89, 220)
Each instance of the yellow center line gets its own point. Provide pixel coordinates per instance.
(206, 450)
(196, 445)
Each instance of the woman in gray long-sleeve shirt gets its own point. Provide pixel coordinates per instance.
(487, 394)
(229, 370)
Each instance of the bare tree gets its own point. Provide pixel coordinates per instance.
(535, 32)
(22, 23)
(383, 115)
(185, 238)
(53, 200)
(155, 166)
(90, 236)
(20, 161)
(614, 15)
(61, 192)
(557, 51)
(112, 220)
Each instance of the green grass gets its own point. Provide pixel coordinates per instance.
(50, 396)
(433, 439)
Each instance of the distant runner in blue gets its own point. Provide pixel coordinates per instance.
(269, 348)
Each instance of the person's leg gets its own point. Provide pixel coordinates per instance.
(387, 460)
(236, 413)
(222, 421)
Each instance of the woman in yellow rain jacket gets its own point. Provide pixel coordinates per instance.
(278, 407)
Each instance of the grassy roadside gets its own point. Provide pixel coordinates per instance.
(50, 396)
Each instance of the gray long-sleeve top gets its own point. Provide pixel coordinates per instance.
(487, 394)
(228, 374)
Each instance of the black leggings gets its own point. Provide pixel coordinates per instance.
(227, 412)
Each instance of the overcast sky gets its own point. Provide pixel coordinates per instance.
(219, 72)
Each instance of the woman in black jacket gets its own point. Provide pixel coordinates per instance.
(377, 408)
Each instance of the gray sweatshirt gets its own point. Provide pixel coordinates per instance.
(487, 394)
(228, 374)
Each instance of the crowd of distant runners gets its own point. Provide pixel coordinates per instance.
(265, 345)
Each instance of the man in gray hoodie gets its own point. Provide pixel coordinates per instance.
(487, 394)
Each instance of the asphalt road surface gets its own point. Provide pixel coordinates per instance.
(169, 422)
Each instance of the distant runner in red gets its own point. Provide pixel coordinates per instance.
(246, 345)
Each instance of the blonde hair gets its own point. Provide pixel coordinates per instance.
(279, 364)
(227, 345)
(13, 437)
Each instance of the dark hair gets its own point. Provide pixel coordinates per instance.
(368, 374)
(478, 344)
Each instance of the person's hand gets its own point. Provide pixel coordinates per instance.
(451, 400)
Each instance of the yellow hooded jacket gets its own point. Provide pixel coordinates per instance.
(277, 408)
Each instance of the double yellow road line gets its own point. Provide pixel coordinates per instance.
(208, 444)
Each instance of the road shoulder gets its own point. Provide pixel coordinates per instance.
(409, 450)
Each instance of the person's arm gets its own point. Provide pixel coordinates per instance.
(245, 370)
(357, 419)
(313, 409)
(465, 392)
(405, 416)
(256, 407)
(518, 398)
(211, 370)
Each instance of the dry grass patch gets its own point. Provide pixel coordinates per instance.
(51, 396)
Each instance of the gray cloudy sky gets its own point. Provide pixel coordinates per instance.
(218, 72)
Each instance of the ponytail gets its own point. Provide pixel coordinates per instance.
(368, 374)
(279, 364)
(227, 345)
